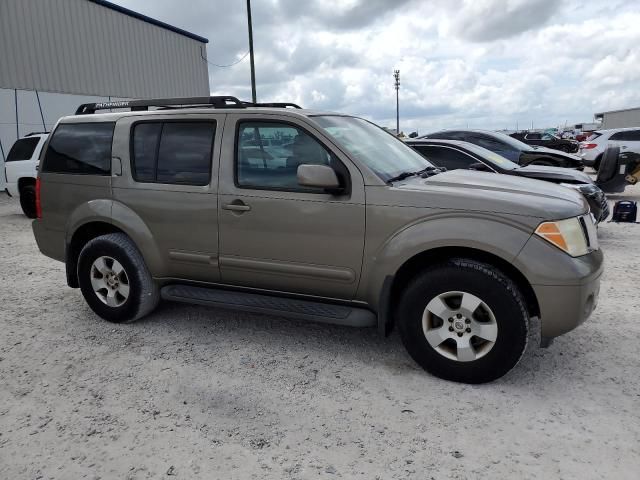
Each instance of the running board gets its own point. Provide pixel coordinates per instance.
(281, 306)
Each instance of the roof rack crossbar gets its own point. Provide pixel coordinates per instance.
(222, 101)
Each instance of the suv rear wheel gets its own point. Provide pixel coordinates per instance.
(114, 279)
(28, 200)
(464, 321)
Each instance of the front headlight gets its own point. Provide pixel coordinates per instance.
(569, 235)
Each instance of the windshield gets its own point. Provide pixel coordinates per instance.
(516, 144)
(492, 157)
(380, 151)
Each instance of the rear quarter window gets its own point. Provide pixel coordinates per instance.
(23, 149)
(80, 148)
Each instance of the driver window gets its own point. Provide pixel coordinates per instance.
(268, 155)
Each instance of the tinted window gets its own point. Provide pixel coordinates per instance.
(629, 135)
(22, 149)
(532, 136)
(173, 152)
(145, 148)
(447, 157)
(268, 155)
(80, 148)
(489, 143)
(446, 135)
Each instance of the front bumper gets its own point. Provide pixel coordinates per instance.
(563, 308)
(565, 287)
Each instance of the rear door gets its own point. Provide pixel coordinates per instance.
(166, 180)
(627, 140)
(275, 234)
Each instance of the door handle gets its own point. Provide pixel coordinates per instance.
(237, 206)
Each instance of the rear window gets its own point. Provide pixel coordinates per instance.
(593, 136)
(22, 149)
(173, 152)
(80, 148)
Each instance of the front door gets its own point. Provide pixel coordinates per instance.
(275, 234)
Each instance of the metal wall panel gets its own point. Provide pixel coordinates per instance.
(621, 119)
(80, 47)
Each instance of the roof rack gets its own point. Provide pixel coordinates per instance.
(225, 101)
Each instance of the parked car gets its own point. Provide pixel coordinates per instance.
(356, 228)
(547, 140)
(20, 170)
(592, 149)
(508, 147)
(453, 154)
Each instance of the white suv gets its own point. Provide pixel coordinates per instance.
(591, 150)
(21, 170)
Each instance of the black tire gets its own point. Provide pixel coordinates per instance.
(596, 164)
(143, 296)
(28, 200)
(490, 285)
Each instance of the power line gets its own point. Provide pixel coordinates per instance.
(223, 66)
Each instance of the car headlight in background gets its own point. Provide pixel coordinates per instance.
(576, 236)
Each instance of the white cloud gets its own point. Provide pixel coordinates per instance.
(485, 63)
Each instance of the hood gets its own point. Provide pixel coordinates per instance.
(555, 153)
(491, 192)
(553, 174)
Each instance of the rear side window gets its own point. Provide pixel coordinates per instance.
(80, 148)
(23, 149)
(627, 135)
(173, 152)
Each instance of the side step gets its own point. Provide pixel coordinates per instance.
(259, 303)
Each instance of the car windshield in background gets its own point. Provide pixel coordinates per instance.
(517, 144)
(382, 152)
(492, 157)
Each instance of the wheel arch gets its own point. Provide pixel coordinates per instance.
(80, 237)
(393, 285)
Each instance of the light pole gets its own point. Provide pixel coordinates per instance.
(396, 75)
(253, 68)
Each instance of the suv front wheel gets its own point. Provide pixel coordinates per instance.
(114, 279)
(464, 321)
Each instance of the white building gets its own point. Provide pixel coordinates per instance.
(628, 117)
(57, 54)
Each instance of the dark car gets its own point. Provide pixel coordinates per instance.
(453, 155)
(547, 140)
(512, 149)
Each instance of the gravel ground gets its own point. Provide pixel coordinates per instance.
(191, 392)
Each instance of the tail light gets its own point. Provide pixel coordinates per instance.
(587, 146)
(38, 204)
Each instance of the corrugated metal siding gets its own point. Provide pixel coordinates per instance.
(622, 119)
(76, 46)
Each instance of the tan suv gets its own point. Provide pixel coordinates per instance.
(319, 216)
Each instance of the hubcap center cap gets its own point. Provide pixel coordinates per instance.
(459, 325)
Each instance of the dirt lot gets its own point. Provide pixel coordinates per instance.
(191, 392)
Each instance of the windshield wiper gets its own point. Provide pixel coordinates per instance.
(425, 172)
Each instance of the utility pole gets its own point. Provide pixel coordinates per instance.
(396, 75)
(253, 68)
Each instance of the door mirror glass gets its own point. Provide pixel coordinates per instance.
(318, 176)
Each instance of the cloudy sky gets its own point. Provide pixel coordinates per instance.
(481, 63)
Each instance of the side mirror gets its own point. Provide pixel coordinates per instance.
(479, 166)
(318, 176)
